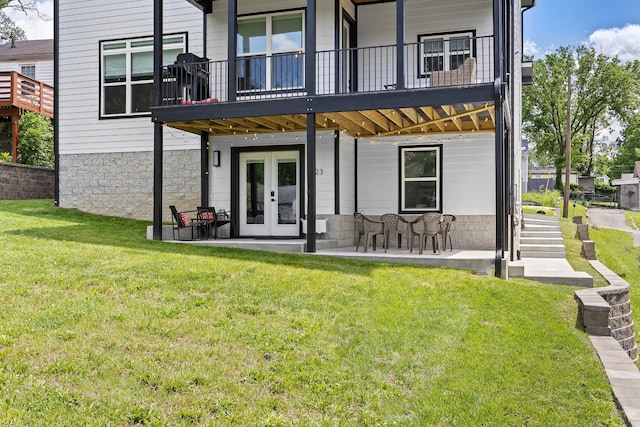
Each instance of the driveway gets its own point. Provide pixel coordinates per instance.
(612, 218)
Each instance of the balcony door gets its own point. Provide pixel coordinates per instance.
(348, 55)
(269, 193)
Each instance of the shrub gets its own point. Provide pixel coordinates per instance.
(35, 146)
(5, 157)
(605, 189)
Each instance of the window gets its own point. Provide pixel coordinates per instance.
(127, 73)
(28, 71)
(269, 52)
(444, 52)
(420, 179)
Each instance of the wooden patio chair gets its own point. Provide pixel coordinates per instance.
(181, 223)
(369, 228)
(445, 230)
(425, 226)
(395, 224)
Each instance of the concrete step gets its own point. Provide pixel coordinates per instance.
(541, 234)
(539, 227)
(542, 251)
(541, 220)
(541, 240)
(546, 270)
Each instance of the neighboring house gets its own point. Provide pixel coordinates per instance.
(543, 178)
(26, 84)
(629, 189)
(332, 106)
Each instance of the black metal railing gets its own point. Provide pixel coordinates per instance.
(429, 63)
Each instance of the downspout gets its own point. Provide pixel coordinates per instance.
(56, 100)
(157, 127)
(310, 84)
(204, 169)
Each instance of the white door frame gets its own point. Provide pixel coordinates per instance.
(274, 215)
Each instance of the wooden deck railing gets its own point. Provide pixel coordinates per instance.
(17, 90)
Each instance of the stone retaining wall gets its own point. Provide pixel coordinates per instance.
(21, 182)
(607, 311)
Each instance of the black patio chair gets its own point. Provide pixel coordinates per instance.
(213, 219)
(181, 223)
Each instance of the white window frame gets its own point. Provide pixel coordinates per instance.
(29, 66)
(446, 39)
(270, 52)
(437, 149)
(111, 47)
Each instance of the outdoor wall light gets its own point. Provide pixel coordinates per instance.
(216, 158)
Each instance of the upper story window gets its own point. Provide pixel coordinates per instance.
(444, 52)
(420, 176)
(28, 71)
(126, 80)
(270, 52)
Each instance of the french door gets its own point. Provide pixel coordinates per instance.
(269, 193)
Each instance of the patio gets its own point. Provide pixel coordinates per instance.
(478, 261)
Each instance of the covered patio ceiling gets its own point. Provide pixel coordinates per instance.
(443, 119)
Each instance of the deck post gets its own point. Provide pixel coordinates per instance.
(204, 169)
(400, 12)
(15, 130)
(498, 31)
(232, 65)
(157, 126)
(310, 84)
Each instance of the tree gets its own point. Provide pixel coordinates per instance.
(628, 149)
(35, 146)
(603, 89)
(9, 30)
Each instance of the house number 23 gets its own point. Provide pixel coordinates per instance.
(319, 171)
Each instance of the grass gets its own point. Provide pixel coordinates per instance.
(101, 327)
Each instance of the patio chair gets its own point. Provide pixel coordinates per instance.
(181, 223)
(369, 228)
(445, 230)
(395, 224)
(212, 219)
(463, 75)
(425, 226)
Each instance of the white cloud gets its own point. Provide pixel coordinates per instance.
(531, 48)
(620, 42)
(35, 27)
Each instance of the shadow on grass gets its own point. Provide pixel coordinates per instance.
(86, 228)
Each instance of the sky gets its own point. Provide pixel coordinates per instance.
(612, 27)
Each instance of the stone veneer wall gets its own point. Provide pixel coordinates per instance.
(474, 232)
(20, 182)
(121, 184)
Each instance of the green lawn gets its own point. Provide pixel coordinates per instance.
(101, 327)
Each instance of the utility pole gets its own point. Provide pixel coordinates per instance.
(567, 149)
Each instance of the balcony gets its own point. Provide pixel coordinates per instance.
(444, 88)
(25, 93)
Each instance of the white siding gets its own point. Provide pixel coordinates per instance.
(83, 24)
(220, 177)
(44, 68)
(468, 174)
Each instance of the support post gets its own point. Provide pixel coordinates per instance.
(15, 130)
(310, 84)
(157, 127)
(232, 72)
(400, 15)
(56, 99)
(499, 34)
(204, 169)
